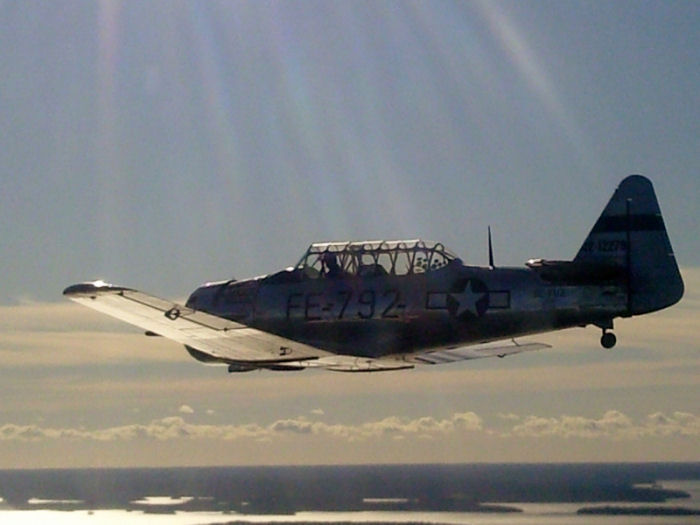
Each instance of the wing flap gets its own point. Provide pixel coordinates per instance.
(462, 353)
(348, 363)
(218, 337)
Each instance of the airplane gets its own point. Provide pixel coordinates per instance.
(373, 306)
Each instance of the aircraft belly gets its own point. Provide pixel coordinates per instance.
(367, 338)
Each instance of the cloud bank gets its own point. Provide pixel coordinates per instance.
(612, 425)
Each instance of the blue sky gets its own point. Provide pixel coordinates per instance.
(163, 144)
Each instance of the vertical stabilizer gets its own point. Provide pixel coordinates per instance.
(631, 234)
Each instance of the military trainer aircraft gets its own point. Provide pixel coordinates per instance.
(388, 305)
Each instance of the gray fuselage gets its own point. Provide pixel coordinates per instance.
(379, 315)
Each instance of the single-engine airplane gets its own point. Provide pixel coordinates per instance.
(389, 305)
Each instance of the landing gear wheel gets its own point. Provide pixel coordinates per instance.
(608, 340)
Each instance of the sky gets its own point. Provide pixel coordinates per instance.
(163, 144)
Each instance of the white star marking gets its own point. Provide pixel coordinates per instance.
(467, 299)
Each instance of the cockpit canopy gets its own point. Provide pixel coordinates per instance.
(368, 258)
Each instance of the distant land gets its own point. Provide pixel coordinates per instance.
(640, 511)
(287, 490)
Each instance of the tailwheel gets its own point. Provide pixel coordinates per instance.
(608, 339)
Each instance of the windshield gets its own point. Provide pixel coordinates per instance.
(367, 258)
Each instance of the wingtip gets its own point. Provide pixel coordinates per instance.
(91, 288)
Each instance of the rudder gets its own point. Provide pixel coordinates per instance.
(630, 234)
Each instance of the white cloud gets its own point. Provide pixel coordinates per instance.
(66, 334)
(612, 425)
(295, 426)
(176, 427)
(680, 423)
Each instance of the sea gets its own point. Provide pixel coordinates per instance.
(481, 494)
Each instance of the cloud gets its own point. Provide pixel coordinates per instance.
(165, 429)
(680, 423)
(66, 334)
(176, 427)
(612, 425)
(295, 426)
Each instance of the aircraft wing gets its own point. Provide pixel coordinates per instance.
(450, 355)
(220, 338)
(347, 363)
(235, 343)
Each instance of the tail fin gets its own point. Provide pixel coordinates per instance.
(631, 234)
